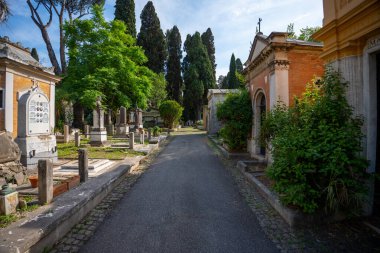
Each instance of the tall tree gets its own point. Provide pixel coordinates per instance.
(173, 65)
(104, 61)
(125, 11)
(4, 11)
(307, 32)
(35, 54)
(233, 82)
(75, 9)
(239, 65)
(152, 39)
(208, 41)
(198, 76)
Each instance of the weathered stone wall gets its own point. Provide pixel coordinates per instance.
(11, 170)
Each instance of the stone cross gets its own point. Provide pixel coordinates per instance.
(259, 23)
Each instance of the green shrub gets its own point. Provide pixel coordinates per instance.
(170, 112)
(156, 131)
(316, 149)
(236, 115)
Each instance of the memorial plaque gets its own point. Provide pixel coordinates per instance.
(39, 115)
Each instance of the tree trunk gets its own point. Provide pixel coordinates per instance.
(62, 43)
(49, 47)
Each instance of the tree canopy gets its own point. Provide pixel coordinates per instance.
(34, 54)
(305, 33)
(233, 82)
(152, 39)
(208, 41)
(173, 65)
(4, 11)
(171, 112)
(105, 61)
(125, 11)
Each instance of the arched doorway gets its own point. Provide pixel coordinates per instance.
(259, 112)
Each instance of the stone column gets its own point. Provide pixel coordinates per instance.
(77, 139)
(131, 140)
(66, 134)
(149, 133)
(45, 181)
(83, 164)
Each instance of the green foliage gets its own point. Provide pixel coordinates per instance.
(236, 115)
(104, 61)
(239, 66)
(152, 39)
(170, 112)
(156, 131)
(233, 82)
(125, 11)
(316, 149)
(173, 65)
(5, 220)
(198, 76)
(34, 54)
(208, 41)
(158, 94)
(305, 33)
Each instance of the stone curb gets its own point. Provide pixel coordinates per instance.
(295, 218)
(227, 154)
(46, 225)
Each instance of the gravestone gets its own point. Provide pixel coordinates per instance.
(98, 135)
(122, 129)
(35, 138)
(108, 123)
(45, 181)
(66, 133)
(138, 119)
(131, 140)
(8, 200)
(86, 131)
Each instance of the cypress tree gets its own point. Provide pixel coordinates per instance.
(198, 76)
(233, 82)
(125, 11)
(173, 65)
(152, 39)
(239, 66)
(208, 41)
(34, 54)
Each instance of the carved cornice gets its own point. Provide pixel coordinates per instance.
(279, 65)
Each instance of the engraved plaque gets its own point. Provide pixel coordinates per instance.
(38, 114)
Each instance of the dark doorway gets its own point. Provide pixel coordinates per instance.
(263, 109)
(376, 206)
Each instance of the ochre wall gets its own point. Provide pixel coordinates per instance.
(20, 84)
(304, 65)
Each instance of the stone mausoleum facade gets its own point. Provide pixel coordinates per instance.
(27, 102)
(351, 38)
(278, 69)
(214, 97)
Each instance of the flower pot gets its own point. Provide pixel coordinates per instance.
(33, 181)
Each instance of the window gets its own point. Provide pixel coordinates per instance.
(1, 98)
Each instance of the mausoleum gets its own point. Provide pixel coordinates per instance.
(351, 37)
(27, 102)
(278, 68)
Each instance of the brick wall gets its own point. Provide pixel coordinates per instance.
(302, 69)
(258, 82)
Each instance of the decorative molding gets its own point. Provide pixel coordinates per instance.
(279, 65)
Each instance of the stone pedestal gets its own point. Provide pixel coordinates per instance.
(110, 130)
(122, 130)
(8, 203)
(98, 137)
(35, 148)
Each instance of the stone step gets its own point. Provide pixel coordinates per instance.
(94, 165)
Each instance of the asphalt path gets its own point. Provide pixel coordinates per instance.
(186, 202)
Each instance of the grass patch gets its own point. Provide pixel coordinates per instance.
(68, 150)
(5, 220)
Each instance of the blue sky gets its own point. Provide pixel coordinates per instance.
(233, 23)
